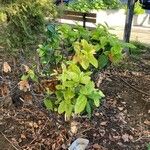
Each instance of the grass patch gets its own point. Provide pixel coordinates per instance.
(140, 48)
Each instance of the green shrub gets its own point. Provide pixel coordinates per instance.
(88, 5)
(76, 91)
(25, 21)
(81, 51)
(138, 9)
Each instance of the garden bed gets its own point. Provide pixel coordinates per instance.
(121, 122)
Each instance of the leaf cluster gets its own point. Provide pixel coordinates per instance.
(80, 50)
(76, 91)
(88, 5)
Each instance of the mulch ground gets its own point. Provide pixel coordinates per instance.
(121, 123)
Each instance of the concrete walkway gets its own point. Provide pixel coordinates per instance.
(141, 34)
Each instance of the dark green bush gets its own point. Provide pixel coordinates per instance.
(24, 21)
(88, 5)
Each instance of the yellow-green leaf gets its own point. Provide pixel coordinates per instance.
(80, 104)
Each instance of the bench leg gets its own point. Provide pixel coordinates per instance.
(84, 20)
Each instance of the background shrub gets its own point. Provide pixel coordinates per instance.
(88, 5)
(23, 21)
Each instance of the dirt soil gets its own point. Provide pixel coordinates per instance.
(122, 122)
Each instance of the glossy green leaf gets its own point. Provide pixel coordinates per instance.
(103, 61)
(24, 77)
(69, 109)
(68, 94)
(97, 102)
(93, 61)
(87, 89)
(62, 107)
(85, 79)
(80, 104)
(69, 84)
(88, 109)
(74, 68)
(73, 76)
(84, 63)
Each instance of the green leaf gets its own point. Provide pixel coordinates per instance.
(60, 87)
(69, 84)
(148, 146)
(80, 104)
(32, 75)
(84, 63)
(93, 60)
(129, 45)
(101, 93)
(96, 96)
(73, 76)
(48, 103)
(88, 109)
(86, 46)
(62, 107)
(59, 96)
(77, 48)
(24, 77)
(68, 111)
(74, 68)
(84, 79)
(97, 102)
(68, 94)
(87, 89)
(103, 41)
(103, 61)
(63, 77)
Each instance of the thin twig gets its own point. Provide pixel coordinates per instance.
(84, 131)
(138, 90)
(9, 141)
(142, 137)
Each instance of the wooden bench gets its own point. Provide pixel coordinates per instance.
(79, 16)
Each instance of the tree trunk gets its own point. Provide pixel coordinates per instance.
(128, 23)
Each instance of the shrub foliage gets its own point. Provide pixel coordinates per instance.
(69, 56)
(23, 21)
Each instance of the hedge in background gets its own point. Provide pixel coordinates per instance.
(88, 5)
(23, 21)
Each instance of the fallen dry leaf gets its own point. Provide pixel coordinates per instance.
(6, 67)
(31, 124)
(74, 127)
(35, 125)
(126, 137)
(23, 136)
(103, 123)
(116, 137)
(96, 146)
(4, 90)
(147, 122)
(120, 108)
(24, 85)
(27, 98)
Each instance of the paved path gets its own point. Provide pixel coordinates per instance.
(141, 34)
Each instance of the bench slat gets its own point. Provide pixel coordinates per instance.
(68, 12)
(78, 18)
